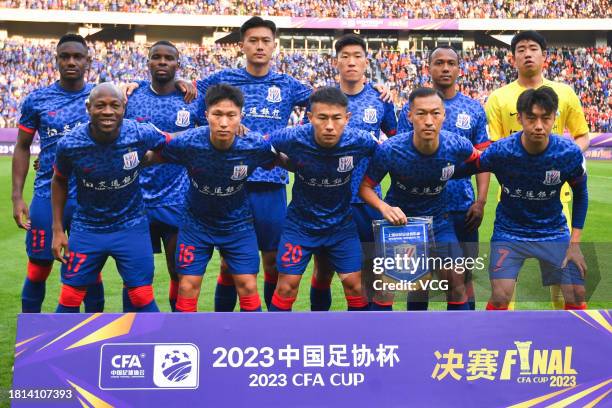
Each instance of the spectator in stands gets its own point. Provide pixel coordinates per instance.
(448, 9)
(28, 64)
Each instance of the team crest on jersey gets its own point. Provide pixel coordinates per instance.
(274, 94)
(182, 118)
(345, 164)
(552, 177)
(130, 160)
(447, 172)
(369, 115)
(463, 121)
(240, 172)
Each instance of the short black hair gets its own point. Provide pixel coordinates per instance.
(443, 47)
(72, 38)
(222, 92)
(257, 21)
(350, 39)
(423, 93)
(528, 35)
(329, 95)
(545, 97)
(166, 43)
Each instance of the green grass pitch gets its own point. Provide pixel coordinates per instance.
(13, 262)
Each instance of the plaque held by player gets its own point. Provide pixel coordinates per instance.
(407, 245)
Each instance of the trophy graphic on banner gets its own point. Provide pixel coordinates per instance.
(523, 350)
(407, 245)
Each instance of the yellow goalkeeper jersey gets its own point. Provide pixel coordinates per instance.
(502, 115)
(502, 118)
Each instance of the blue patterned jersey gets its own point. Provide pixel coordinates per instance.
(418, 180)
(268, 103)
(108, 192)
(53, 112)
(369, 113)
(217, 200)
(165, 184)
(464, 117)
(321, 191)
(530, 208)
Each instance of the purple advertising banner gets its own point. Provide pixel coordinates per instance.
(383, 359)
(8, 137)
(602, 140)
(374, 23)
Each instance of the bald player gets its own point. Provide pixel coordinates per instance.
(105, 155)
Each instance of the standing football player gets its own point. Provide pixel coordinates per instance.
(52, 112)
(269, 100)
(464, 117)
(164, 187)
(369, 113)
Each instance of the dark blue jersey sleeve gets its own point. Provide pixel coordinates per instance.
(29, 121)
(403, 124)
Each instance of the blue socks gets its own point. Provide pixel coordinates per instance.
(94, 299)
(32, 296)
(377, 307)
(457, 306)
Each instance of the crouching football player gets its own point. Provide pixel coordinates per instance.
(218, 213)
(105, 155)
(531, 166)
(324, 154)
(420, 164)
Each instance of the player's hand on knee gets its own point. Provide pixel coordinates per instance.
(59, 247)
(188, 88)
(474, 216)
(21, 214)
(574, 254)
(128, 89)
(394, 215)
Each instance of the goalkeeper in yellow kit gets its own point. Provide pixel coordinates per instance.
(529, 54)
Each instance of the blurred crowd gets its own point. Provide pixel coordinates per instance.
(341, 8)
(28, 64)
(587, 70)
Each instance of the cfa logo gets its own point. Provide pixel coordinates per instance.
(126, 361)
(149, 366)
(176, 366)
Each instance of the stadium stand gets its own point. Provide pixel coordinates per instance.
(503, 9)
(27, 64)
